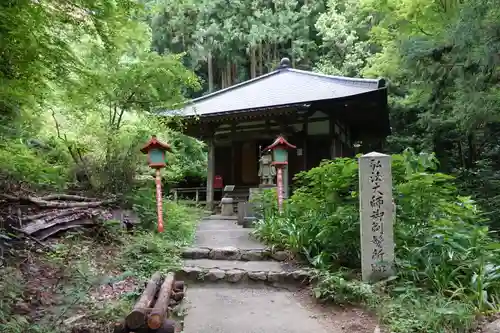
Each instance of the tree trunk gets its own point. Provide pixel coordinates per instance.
(253, 63)
(261, 60)
(223, 77)
(228, 74)
(268, 58)
(158, 313)
(210, 73)
(137, 317)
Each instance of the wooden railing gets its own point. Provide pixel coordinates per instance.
(184, 190)
(201, 193)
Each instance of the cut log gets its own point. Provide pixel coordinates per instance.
(177, 296)
(120, 327)
(54, 204)
(63, 204)
(137, 317)
(179, 286)
(66, 197)
(158, 313)
(168, 326)
(51, 214)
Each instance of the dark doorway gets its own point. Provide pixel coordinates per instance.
(318, 149)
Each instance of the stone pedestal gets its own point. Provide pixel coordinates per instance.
(227, 206)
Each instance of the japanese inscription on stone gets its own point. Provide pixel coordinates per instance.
(376, 212)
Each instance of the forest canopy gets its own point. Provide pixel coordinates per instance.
(76, 73)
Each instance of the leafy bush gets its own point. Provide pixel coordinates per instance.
(442, 243)
(151, 251)
(39, 168)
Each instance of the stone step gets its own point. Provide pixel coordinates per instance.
(270, 272)
(220, 217)
(207, 236)
(233, 253)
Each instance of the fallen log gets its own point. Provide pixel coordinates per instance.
(168, 326)
(67, 197)
(47, 214)
(137, 317)
(158, 313)
(54, 204)
(120, 327)
(179, 286)
(178, 296)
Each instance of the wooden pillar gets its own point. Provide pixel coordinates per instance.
(210, 173)
(233, 153)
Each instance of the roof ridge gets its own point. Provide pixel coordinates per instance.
(234, 86)
(344, 79)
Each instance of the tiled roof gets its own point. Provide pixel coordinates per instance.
(284, 86)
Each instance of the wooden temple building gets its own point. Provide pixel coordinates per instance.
(323, 116)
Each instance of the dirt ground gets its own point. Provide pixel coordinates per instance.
(340, 318)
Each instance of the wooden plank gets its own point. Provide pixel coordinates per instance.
(58, 218)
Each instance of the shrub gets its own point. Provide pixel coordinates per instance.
(442, 243)
(40, 169)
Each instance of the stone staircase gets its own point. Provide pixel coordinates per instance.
(235, 284)
(234, 265)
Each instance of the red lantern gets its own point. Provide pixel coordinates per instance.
(156, 152)
(157, 160)
(280, 149)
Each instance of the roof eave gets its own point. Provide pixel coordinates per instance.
(381, 84)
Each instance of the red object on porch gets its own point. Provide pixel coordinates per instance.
(218, 182)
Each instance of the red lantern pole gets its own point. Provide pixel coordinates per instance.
(159, 201)
(279, 181)
(279, 148)
(157, 159)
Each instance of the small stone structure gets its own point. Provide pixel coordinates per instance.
(376, 214)
(242, 211)
(227, 206)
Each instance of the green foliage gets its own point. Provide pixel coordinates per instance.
(37, 167)
(443, 246)
(151, 251)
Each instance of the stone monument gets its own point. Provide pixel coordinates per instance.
(267, 171)
(226, 202)
(376, 212)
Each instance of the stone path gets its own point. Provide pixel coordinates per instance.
(234, 285)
